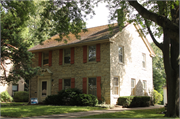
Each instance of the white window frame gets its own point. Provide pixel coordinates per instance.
(143, 60)
(121, 54)
(133, 88)
(88, 53)
(115, 86)
(144, 87)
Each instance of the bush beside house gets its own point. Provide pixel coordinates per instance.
(134, 101)
(21, 96)
(5, 97)
(72, 96)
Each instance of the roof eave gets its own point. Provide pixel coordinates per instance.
(71, 45)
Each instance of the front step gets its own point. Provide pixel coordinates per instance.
(118, 106)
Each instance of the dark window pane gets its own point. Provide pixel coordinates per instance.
(44, 88)
(67, 83)
(67, 55)
(92, 53)
(92, 88)
(45, 61)
(67, 59)
(45, 58)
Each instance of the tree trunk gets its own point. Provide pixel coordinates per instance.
(170, 55)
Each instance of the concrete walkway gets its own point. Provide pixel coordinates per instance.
(94, 112)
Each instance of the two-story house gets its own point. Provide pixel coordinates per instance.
(108, 65)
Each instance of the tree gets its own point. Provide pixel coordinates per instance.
(159, 76)
(21, 29)
(164, 17)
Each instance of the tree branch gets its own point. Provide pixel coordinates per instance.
(158, 19)
(4, 70)
(159, 45)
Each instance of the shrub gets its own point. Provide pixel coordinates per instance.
(21, 96)
(125, 101)
(64, 97)
(157, 97)
(87, 100)
(5, 97)
(134, 101)
(71, 97)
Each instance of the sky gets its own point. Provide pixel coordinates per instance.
(101, 18)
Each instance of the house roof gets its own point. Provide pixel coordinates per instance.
(96, 34)
(93, 34)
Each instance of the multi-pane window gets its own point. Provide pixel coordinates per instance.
(67, 83)
(92, 53)
(133, 83)
(67, 55)
(45, 58)
(115, 86)
(14, 88)
(92, 87)
(144, 60)
(144, 86)
(120, 51)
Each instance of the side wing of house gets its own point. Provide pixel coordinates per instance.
(10, 87)
(130, 64)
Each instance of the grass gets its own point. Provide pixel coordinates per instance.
(38, 110)
(13, 104)
(150, 113)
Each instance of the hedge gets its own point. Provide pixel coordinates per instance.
(134, 101)
(21, 96)
(72, 96)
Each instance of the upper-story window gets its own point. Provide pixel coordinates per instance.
(92, 53)
(143, 60)
(120, 51)
(67, 56)
(45, 58)
(115, 86)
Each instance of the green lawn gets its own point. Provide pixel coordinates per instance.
(13, 104)
(150, 113)
(38, 110)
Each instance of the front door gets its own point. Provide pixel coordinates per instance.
(43, 89)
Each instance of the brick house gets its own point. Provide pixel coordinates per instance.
(103, 64)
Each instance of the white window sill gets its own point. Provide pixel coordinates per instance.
(121, 63)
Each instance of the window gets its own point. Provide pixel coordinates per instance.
(67, 56)
(45, 58)
(115, 86)
(44, 88)
(144, 60)
(120, 50)
(133, 83)
(144, 86)
(67, 84)
(92, 88)
(14, 88)
(92, 53)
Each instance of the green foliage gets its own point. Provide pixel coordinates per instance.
(157, 97)
(159, 76)
(5, 97)
(21, 96)
(134, 101)
(72, 96)
(87, 100)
